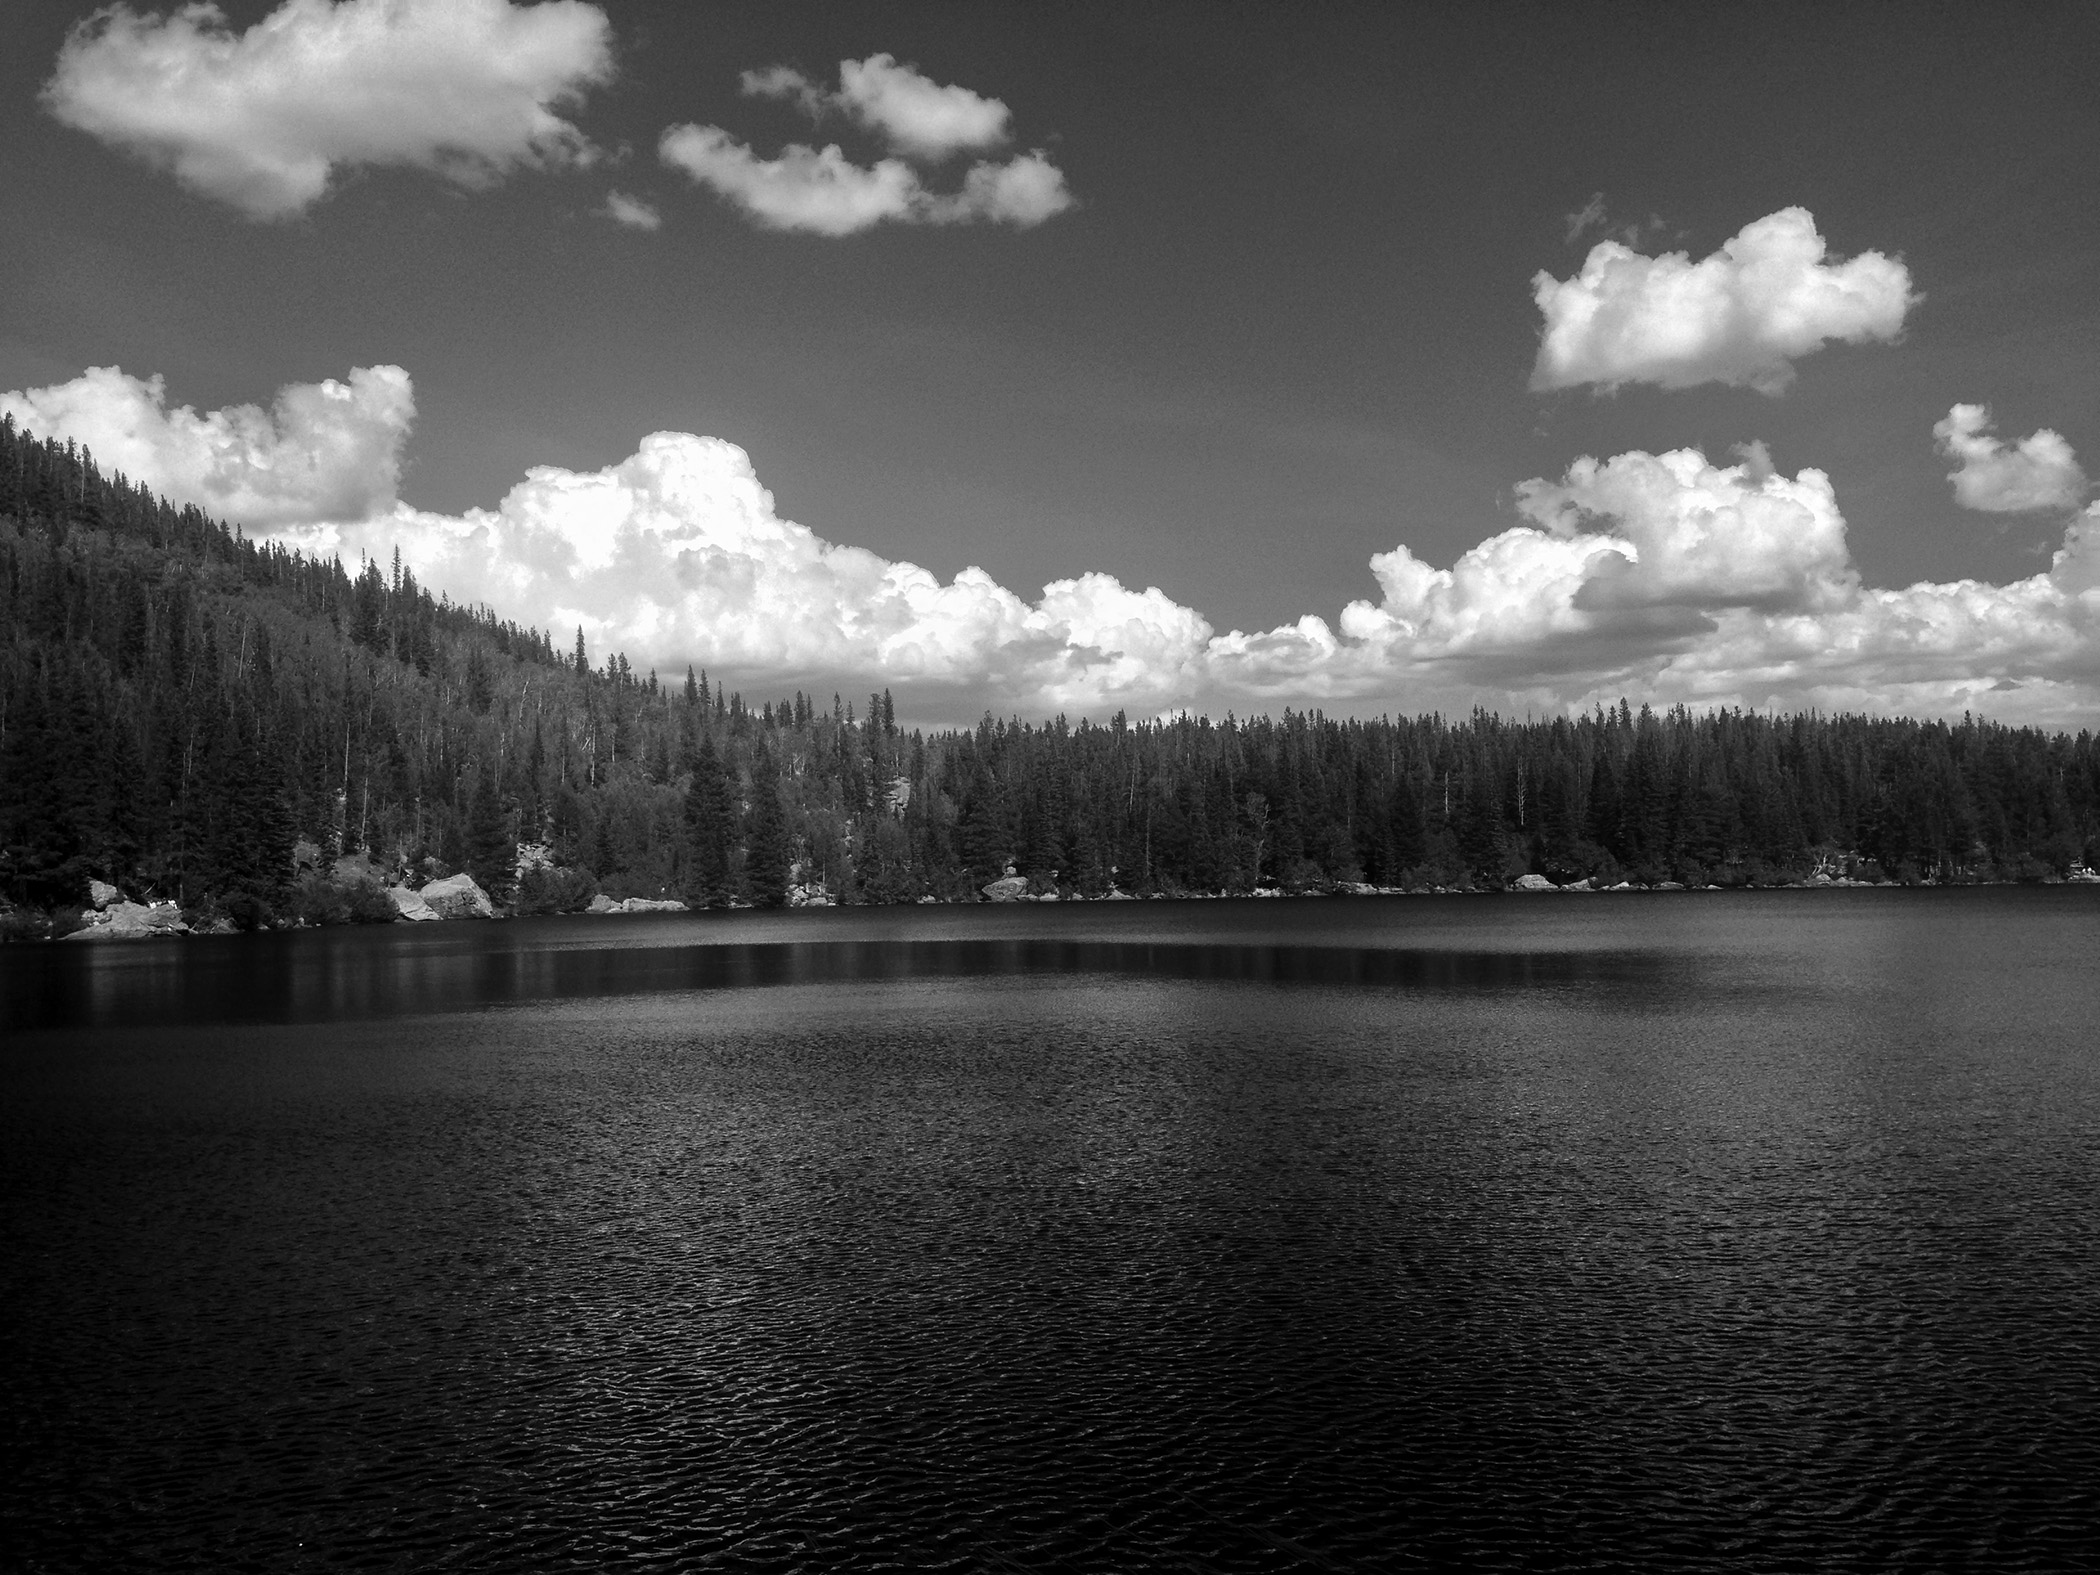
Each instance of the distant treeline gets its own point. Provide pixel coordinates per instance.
(187, 714)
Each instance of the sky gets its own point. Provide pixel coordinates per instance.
(1083, 359)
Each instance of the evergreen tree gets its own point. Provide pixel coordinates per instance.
(766, 854)
(710, 825)
(491, 851)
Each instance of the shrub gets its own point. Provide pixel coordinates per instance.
(318, 899)
(555, 890)
(23, 924)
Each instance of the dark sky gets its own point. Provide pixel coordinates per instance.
(1288, 325)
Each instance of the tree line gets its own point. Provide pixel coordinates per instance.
(192, 715)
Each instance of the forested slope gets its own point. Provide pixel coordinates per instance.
(190, 715)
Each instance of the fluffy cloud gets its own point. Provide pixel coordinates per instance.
(1663, 577)
(822, 192)
(914, 113)
(324, 451)
(1024, 191)
(2038, 472)
(676, 554)
(1741, 316)
(819, 191)
(909, 110)
(262, 119)
(632, 212)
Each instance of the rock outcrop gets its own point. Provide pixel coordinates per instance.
(132, 921)
(604, 904)
(458, 897)
(1533, 883)
(411, 906)
(101, 893)
(1007, 888)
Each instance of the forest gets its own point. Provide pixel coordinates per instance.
(194, 716)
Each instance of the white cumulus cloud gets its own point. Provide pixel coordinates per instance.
(2038, 472)
(677, 554)
(323, 451)
(1024, 191)
(1663, 577)
(822, 192)
(262, 119)
(915, 114)
(632, 212)
(899, 103)
(1741, 316)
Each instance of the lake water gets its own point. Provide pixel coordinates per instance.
(1748, 1231)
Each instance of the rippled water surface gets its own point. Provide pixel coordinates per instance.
(1747, 1231)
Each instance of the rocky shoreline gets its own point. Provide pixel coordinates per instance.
(112, 916)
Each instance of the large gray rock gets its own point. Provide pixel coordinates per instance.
(132, 921)
(101, 893)
(1533, 883)
(411, 906)
(1008, 888)
(458, 897)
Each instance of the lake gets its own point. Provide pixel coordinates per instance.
(1745, 1231)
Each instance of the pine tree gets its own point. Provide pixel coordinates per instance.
(766, 850)
(709, 826)
(492, 853)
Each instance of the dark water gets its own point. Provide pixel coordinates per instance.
(1675, 1232)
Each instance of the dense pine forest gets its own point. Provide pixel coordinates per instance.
(190, 715)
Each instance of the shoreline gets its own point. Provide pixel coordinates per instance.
(121, 920)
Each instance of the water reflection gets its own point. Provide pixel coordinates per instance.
(343, 977)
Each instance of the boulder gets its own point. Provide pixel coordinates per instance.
(602, 904)
(101, 893)
(1533, 883)
(1007, 888)
(411, 906)
(458, 897)
(133, 921)
(652, 905)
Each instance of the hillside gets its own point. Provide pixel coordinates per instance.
(192, 716)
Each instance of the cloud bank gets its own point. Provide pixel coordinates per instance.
(263, 119)
(2038, 472)
(326, 451)
(820, 191)
(1663, 577)
(1741, 316)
